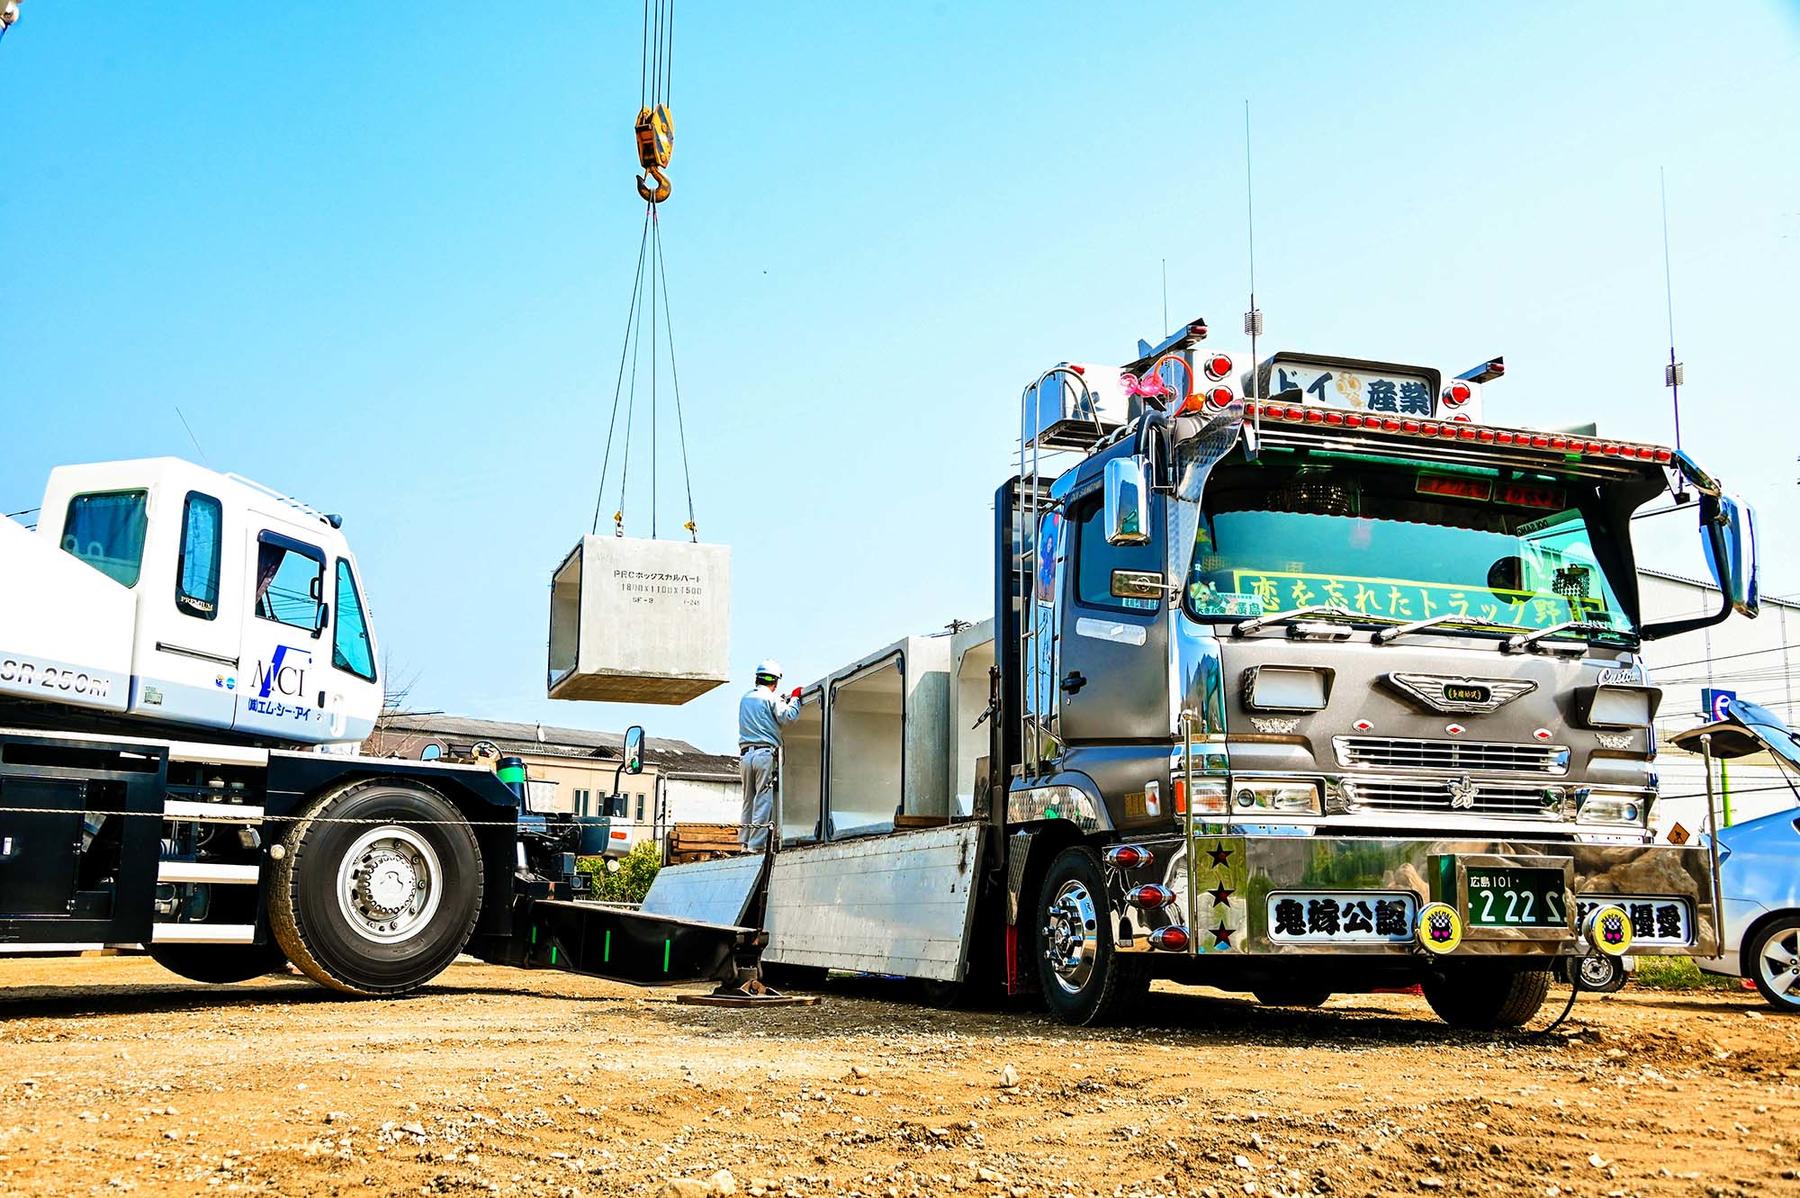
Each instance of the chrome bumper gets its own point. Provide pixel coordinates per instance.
(1222, 890)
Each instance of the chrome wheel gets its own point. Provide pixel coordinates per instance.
(389, 884)
(1596, 971)
(1778, 965)
(1071, 936)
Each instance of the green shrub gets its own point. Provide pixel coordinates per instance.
(631, 881)
(1677, 973)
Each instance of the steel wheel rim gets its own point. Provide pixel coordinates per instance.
(1779, 965)
(389, 884)
(1071, 936)
(1596, 971)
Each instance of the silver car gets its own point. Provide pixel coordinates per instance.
(1759, 863)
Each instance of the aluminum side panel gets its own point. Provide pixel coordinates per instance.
(896, 904)
(708, 891)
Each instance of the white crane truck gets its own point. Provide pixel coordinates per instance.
(187, 663)
(1329, 689)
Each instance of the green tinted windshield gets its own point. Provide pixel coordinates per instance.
(1396, 542)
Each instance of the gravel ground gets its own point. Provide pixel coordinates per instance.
(116, 1076)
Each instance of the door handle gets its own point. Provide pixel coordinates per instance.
(1073, 682)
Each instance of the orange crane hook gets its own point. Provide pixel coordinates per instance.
(655, 129)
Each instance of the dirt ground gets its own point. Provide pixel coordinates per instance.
(116, 1076)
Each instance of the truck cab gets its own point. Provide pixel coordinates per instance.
(156, 590)
(1322, 681)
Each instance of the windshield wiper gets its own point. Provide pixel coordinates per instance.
(1385, 635)
(1257, 623)
(1587, 631)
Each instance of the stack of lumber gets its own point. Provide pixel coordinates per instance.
(702, 842)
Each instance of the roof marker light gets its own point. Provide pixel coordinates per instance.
(1218, 366)
(1458, 393)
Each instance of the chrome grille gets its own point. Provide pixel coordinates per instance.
(1392, 753)
(1423, 794)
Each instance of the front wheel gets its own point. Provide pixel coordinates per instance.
(1772, 961)
(1483, 996)
(377, 888)
(1085, 980)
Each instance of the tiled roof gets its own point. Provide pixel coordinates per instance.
(671, 756)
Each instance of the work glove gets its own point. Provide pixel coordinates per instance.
(794, 696)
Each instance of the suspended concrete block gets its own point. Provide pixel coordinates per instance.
(636, 621)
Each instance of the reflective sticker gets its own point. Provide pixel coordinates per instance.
(1440, 928)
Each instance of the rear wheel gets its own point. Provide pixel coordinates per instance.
(1085, 980)
(219, 964)
(1482, 995)
(377, 889)
(1772, 960)
(1600, 973)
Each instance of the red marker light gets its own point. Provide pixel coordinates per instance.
(1314, 416)
(1663, 455)
(1218, 366)
(1219, 398)
(1129, 856)
(1336, 418)
(1150, 898)
(1172, 939)
(1458, 393)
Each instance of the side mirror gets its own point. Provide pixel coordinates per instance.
(1729, 526)
(1127, 494)
(634, 749)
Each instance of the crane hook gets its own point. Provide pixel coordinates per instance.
(655, 131)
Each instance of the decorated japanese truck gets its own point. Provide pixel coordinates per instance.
(1312, 678)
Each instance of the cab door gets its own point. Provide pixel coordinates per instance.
(286, 651)
(188, 653)
(1112, 668)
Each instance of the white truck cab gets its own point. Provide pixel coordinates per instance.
(160, 590)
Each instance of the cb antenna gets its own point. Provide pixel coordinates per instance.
(1675, 373)
(1253, 320)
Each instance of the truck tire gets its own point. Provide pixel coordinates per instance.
(1483, 996)
(1599, 973)
(219, 964)
(1772, 960)
(377, 889)
(1085, 981)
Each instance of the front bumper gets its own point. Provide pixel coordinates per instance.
(1234, 894)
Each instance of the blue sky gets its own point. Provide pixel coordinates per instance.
(379, 255)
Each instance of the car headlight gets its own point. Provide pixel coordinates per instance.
(1287, 797)
(1597, 807)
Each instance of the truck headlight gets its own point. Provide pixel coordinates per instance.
(1287, 797)
(1600, 807)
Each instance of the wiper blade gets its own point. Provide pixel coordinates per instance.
(1257, 623)
(1385, 635)
(1586, 632)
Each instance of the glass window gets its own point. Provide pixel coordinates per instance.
(107, 532)
(197, 587)
(350, 643)
(640, 809)
(1095, 561)
(1394, 543)
(581, 802)
(431, 752)
(290, 582)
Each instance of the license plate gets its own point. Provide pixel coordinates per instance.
(1516, 898)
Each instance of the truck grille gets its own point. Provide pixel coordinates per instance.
(1390, 753)
(1408, 794)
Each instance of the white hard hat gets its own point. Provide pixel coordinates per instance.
(768, 666)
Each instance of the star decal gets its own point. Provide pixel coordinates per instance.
(1221, 894)
(1221, 856)
(1222, 936)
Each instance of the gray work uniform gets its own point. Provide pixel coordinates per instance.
(761, 713)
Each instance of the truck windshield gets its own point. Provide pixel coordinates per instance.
(1393, 542)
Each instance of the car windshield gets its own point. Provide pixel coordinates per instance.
(1398, 542)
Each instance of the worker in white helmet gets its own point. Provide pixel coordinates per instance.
(761, 713)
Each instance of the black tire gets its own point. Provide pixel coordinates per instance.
(1084, 980)
(794, 977)
(1291, 994)
(1780, 938)
(412, 856)
(1483, 995)
(218, 964)
(1598, 973)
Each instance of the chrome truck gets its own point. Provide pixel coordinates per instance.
(1301, 679)
(1327, 682)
